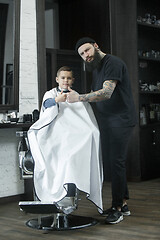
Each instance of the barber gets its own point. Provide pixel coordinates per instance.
(115, 110)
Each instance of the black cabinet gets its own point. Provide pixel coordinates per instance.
(135, 37)
(150, 152)
(148, 51)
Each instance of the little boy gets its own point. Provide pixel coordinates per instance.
(65, 146)
(64, 79)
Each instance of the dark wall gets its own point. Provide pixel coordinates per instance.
(79, 18)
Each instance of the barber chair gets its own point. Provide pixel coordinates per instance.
(50, 216)
(26, 163)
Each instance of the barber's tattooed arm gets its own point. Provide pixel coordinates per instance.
(100, 95)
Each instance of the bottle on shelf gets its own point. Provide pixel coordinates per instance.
(148, 18)
(143, 117)
(152, 113)
(153, 19)
(157, 107)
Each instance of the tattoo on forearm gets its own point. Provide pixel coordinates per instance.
(100, 95)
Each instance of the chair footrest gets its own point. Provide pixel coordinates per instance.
(38, 207)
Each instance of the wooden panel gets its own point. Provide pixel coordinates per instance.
(41, 50)
(124, 45)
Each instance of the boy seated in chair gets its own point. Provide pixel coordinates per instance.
(65, 146)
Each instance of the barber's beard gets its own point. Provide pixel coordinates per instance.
(95, 63)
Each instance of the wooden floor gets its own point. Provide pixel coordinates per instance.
(144, 223)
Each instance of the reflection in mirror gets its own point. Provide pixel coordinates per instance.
(9, 49)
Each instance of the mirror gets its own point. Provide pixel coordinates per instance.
(9, 54)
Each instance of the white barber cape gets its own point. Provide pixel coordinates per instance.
(65, 145)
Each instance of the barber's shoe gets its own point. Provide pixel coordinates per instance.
(125, 211)
(114, 216)
(106, 212)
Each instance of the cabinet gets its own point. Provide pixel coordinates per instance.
(150, 151)
(135, 37)
(148, 51)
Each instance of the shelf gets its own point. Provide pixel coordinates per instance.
(149, 59)
(15, 125)
(150, 92)
(150, 125)
(146, 25)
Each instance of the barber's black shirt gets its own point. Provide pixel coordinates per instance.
(119, 110)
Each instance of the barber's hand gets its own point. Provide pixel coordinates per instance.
(72, 96)
(61, 97)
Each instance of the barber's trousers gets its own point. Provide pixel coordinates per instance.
(114, 152)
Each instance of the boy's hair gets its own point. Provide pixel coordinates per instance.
(64, 68)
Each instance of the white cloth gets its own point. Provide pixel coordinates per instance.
(65, 145)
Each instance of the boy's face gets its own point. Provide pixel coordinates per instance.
(65, 79)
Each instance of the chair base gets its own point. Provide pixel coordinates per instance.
(59, 222)
(57, 219)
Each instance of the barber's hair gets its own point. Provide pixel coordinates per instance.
(64, 68)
